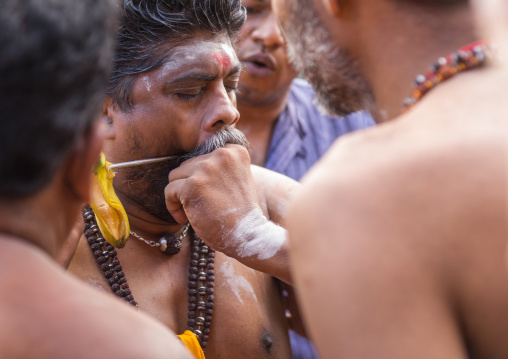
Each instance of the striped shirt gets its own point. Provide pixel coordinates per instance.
(302, 134)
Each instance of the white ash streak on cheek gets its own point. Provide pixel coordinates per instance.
(238, 284)
(256, 236)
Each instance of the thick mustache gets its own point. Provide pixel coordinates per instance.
(227, 135)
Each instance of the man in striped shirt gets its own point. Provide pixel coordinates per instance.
(286, 130)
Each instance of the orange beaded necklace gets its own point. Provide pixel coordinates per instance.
(466, 58)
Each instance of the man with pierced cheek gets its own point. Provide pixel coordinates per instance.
(172, 94)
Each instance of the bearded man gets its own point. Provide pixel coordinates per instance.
(286, 130)
(407, 220)
(172, 93)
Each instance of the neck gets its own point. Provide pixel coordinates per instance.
(393, 62)
(257, 123)
(40, 221)
(145, 224)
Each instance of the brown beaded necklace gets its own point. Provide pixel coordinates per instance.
(200, 282)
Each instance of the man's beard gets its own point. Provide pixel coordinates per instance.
(340, 89)
(147, 183)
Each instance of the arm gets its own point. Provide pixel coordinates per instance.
(227, 212)
(275, 191)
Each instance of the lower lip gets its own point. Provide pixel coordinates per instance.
(256, 70)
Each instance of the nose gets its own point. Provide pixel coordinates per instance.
(221, 112)
(269, 32)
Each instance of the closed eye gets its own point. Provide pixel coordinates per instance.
(231, 89)
(190, 95)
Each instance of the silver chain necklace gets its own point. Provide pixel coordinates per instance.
(170, 243)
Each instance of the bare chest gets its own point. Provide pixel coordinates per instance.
(247, 319)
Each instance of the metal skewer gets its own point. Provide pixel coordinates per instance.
(115, 166)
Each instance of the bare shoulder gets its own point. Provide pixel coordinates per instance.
(405, 162)
(404, 181)
(393, 225)
(49, 314)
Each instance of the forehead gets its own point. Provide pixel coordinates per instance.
(200, 52)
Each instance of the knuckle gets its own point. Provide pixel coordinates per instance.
(243, 153)
(208, 167)
(222, 152)
(195, 183)
(234, 153)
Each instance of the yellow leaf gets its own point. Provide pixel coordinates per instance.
(109, 212)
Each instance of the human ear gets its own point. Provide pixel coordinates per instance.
(107, 118)
(81, 161)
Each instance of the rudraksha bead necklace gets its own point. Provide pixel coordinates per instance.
(105, 254)
(467, 58)
(201, 289)
(200, 282)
